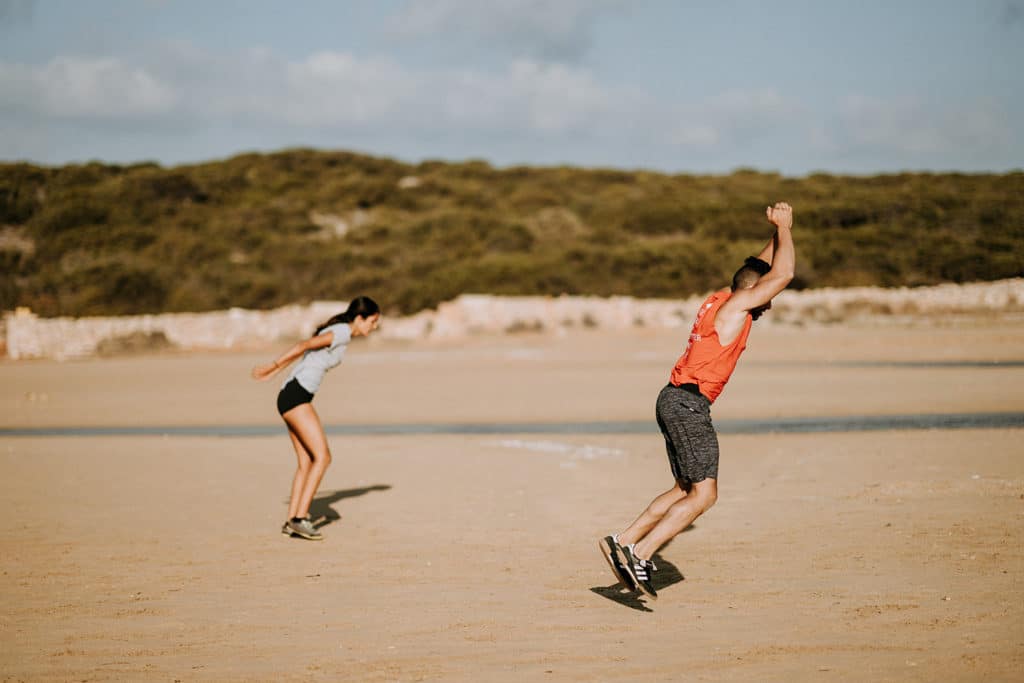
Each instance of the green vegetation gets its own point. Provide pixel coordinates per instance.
(258, 231)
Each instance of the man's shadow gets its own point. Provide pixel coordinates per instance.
(320, 510)
(666, 575)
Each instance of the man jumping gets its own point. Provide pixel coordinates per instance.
(718, 337)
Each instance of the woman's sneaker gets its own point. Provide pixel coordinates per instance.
(639, 570)
(608, 546)
(303, 528)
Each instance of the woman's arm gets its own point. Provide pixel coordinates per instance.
(265, 371)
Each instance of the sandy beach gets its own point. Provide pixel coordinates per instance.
(846, 556)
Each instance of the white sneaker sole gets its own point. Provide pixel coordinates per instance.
(289, 531)
(611, 557)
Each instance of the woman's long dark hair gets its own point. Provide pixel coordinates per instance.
(360, 307)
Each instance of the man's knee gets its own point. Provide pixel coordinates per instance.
(706, 493)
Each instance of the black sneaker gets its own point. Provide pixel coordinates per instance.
(608, 546)
(639, 570)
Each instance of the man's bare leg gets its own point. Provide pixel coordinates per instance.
(652, 515)
(678, 516)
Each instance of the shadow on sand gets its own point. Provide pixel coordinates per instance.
(320, 509)
(666, 575)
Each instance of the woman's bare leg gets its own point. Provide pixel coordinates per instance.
(302, 470)
(304, 423)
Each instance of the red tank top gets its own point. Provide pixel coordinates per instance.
(706, 362)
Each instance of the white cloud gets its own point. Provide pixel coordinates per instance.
(688, 134)
(556, 98)
(332, 89)
(761, 104)
(528, 110)
(911, 127)
(733, 116)
(529, 100)
(550, 29)
(67, 87)
(337, 90)
(876, 122)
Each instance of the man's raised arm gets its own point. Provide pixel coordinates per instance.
(768, 252)
(783, 261)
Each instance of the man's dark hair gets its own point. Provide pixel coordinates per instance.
(749, 273)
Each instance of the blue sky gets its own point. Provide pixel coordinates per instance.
(795, 86)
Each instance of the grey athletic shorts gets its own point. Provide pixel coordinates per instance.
(685, 421)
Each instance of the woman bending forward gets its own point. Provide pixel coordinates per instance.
(319, 353)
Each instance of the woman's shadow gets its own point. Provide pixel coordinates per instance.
(320, 510)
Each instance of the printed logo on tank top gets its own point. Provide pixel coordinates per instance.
(695, 336)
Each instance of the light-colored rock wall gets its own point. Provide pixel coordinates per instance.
(29, 336)
(837, 305)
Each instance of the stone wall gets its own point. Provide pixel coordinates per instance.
(29, 336)
(829, 305)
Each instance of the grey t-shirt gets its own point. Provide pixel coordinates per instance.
(313, 365)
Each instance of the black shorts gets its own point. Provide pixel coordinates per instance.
(690, 440)
(291, 395)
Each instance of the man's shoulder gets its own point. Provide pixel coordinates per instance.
(728, 304)
(719, 297)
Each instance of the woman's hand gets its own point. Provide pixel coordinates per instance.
(265, 371)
